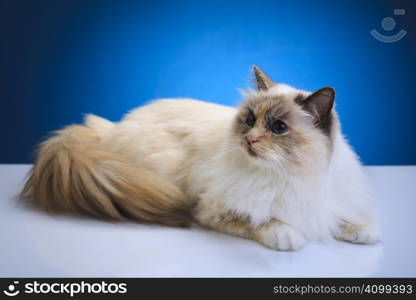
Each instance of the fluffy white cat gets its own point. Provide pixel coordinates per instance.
(277, 169)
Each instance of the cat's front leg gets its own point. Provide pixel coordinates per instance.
(274, 234)
(367, 233)
(226, 222)
(280, 236)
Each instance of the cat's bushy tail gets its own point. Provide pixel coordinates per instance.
(74, 173)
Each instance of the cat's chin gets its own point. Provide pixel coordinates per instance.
(252, 152)
(254, 157)
(249, 152)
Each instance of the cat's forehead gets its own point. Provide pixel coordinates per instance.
(280, 102)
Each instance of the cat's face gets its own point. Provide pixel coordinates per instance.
(277, 124)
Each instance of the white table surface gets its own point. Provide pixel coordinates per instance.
(34, 244)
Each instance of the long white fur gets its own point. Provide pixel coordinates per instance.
(189, 142)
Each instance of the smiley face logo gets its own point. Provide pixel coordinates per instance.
(389, 24)
(11, 289)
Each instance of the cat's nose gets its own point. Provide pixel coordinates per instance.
(252, 139)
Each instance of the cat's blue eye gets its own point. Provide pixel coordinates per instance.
(279, 127)
(251, 120)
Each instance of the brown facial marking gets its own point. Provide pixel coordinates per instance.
(276, 113)
(296, 145)
(259, 140)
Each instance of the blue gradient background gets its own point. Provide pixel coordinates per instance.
(61, 59)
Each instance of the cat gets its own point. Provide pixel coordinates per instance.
(277, 169)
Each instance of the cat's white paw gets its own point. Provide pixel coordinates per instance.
(282, 237)
(361, 234)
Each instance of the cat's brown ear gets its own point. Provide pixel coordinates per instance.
(263, 81)
(320, 104)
